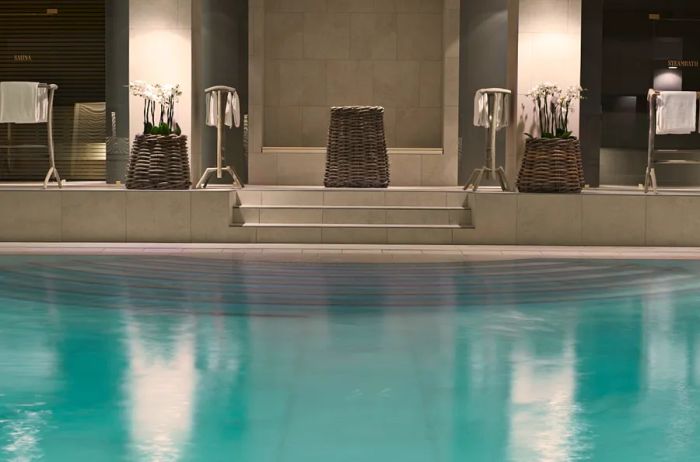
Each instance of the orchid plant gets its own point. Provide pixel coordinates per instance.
(162, 97)
(553, 107)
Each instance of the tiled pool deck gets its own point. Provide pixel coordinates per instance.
(356, 253)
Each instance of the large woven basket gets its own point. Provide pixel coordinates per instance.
(357, 154)
(552, 166)
(159, 162)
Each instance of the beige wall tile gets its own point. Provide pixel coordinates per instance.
(30, 216)
(494, 217)
(397, 83)
(673, 221)
(390, 127)
(410, 198)
(315, 122)
(458, 199)
(284, 35)
(405, 170)
(451, 33)
(282, 126)
(428, 236)
(351, 6)
(212, 217)
(349, 83)
(303, 216)
(419, 127)
(418, 217)
(256, 21)
(431, 84)
(301, 169)
(439, 170)
(298, 6)
(373, 36)
(302, 83)
(326, 35)
(290, 235)
(156, 14)
(548, 219)
(385, 6)
(97, 216)
(262, 169)
(354, 236)
(354, 216)
(353, 198)
(451, 82)
(273, 82)
(613, 219)
(292, 197)
(158, 216)
(245, 215)
(420, 36)
(247, 197)
(419, 6)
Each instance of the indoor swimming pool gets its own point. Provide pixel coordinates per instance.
(158, 358)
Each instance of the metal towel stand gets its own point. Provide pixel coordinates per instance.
(489, 170)
(652, 161)
(221, 94)
(53, 171)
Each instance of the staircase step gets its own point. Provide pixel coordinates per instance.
(314, 233)
(356, 197)
(353, 215)
(347, 225)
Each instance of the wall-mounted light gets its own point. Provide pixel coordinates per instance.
(673, 67)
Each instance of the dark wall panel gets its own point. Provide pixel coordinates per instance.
(223, 60)
(483, 64)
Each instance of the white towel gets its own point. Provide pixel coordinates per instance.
(501, 109)
(23, 103)
(232, 111)
(676, 112)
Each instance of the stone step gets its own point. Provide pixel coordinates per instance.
(354, 197)
(352, 215)
(314, 233)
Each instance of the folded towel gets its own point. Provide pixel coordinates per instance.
(676, 112)
(501, 107)
(23, 103)
(232, 110)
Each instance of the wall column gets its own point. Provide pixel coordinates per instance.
(160, 51)
(549, 50)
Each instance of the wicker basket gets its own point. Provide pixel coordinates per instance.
(552, 166)
(357, 155)
(159, 162)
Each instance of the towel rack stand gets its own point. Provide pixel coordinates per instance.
(652, 160)
(489, 169)
(53, 171)
(221, 94)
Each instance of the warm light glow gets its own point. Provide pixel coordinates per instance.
(161, 390)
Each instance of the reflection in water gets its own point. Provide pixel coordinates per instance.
(160, 387)
(544, 420)
(148, 359)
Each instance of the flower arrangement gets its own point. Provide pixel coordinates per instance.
(158, 97)
(553, 106)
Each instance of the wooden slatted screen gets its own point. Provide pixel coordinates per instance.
(61, 42)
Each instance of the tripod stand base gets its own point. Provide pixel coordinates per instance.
(53, 174)
(208, 173)
(477, 175)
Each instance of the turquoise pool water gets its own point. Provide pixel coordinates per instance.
(193, 359)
